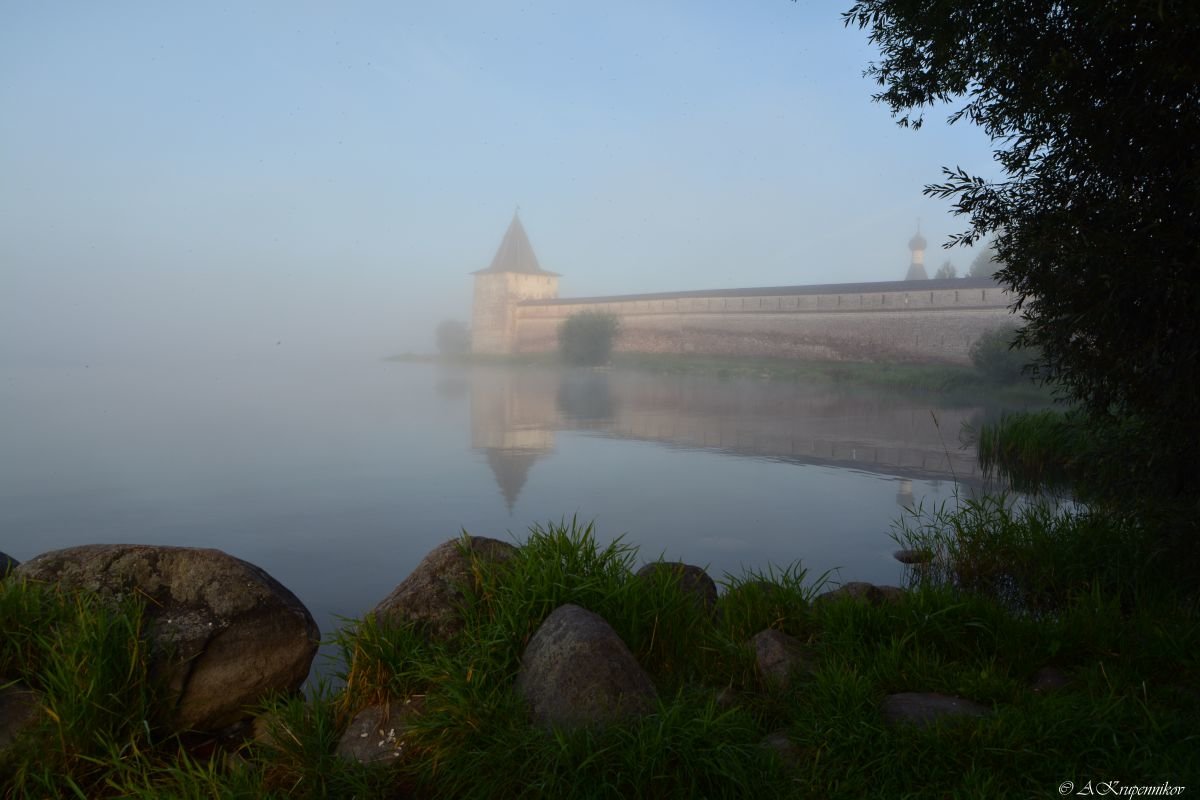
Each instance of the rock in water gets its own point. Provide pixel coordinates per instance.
(223, 633)
(431, 594)
(693, 580)
(576, 671)
(913, 556)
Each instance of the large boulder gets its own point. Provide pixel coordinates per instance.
(692, 580)
(223, 633)
(576, 671)
(431, 595)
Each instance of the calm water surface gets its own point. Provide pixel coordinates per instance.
(338, 478)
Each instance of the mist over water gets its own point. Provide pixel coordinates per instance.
(215, 223)
(337, 477)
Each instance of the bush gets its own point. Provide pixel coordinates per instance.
(994, 355)
(453, 338)
(586, 338)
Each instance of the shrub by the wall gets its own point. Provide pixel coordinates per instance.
(996, 359)
(586, 338)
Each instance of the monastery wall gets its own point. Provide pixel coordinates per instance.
(932, 320)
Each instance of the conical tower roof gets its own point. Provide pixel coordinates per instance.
(515, 253)
(511, 468)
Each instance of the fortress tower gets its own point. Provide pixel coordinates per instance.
(916, 269)
(514, 275)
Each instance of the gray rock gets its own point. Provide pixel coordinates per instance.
(376, 734)
(223, 633)
(576, 671)
(691, 579)
(1049, 679)
(432, 593)
(913, 556)
(890, 594)
(925, 708)
(781, 744)
(19, 710)
(779, 657)
(7, 564)
(860, 590)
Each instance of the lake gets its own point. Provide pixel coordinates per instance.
(338, 477)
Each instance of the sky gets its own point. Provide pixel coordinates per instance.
(205, 180)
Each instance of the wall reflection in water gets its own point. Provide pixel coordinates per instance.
(515, 414)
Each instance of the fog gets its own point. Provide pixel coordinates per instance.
(302, 180)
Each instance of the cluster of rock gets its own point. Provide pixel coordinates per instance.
(225, 634)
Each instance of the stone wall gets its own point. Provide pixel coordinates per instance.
(934, 320)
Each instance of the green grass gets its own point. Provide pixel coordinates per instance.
(1039, 554)
(1128, 639)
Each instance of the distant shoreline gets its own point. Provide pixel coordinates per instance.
(929, 377)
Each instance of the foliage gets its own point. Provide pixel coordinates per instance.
(88, 662)
(984, 265)
(453, 338)
(1033, 555)
(1094, 107)
(587, 338)
(946, 270)
(998, 357)
(1039, 451)
(1072, 453)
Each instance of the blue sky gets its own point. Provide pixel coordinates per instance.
(190, 180)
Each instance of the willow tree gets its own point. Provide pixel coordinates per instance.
(1093, 107)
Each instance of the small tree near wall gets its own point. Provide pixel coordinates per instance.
(586, 338)
(998, 357)
(453, 338)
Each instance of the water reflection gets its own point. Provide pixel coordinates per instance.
(516, 413)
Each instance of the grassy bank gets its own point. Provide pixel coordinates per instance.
(1127, 639)
(954, 380)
